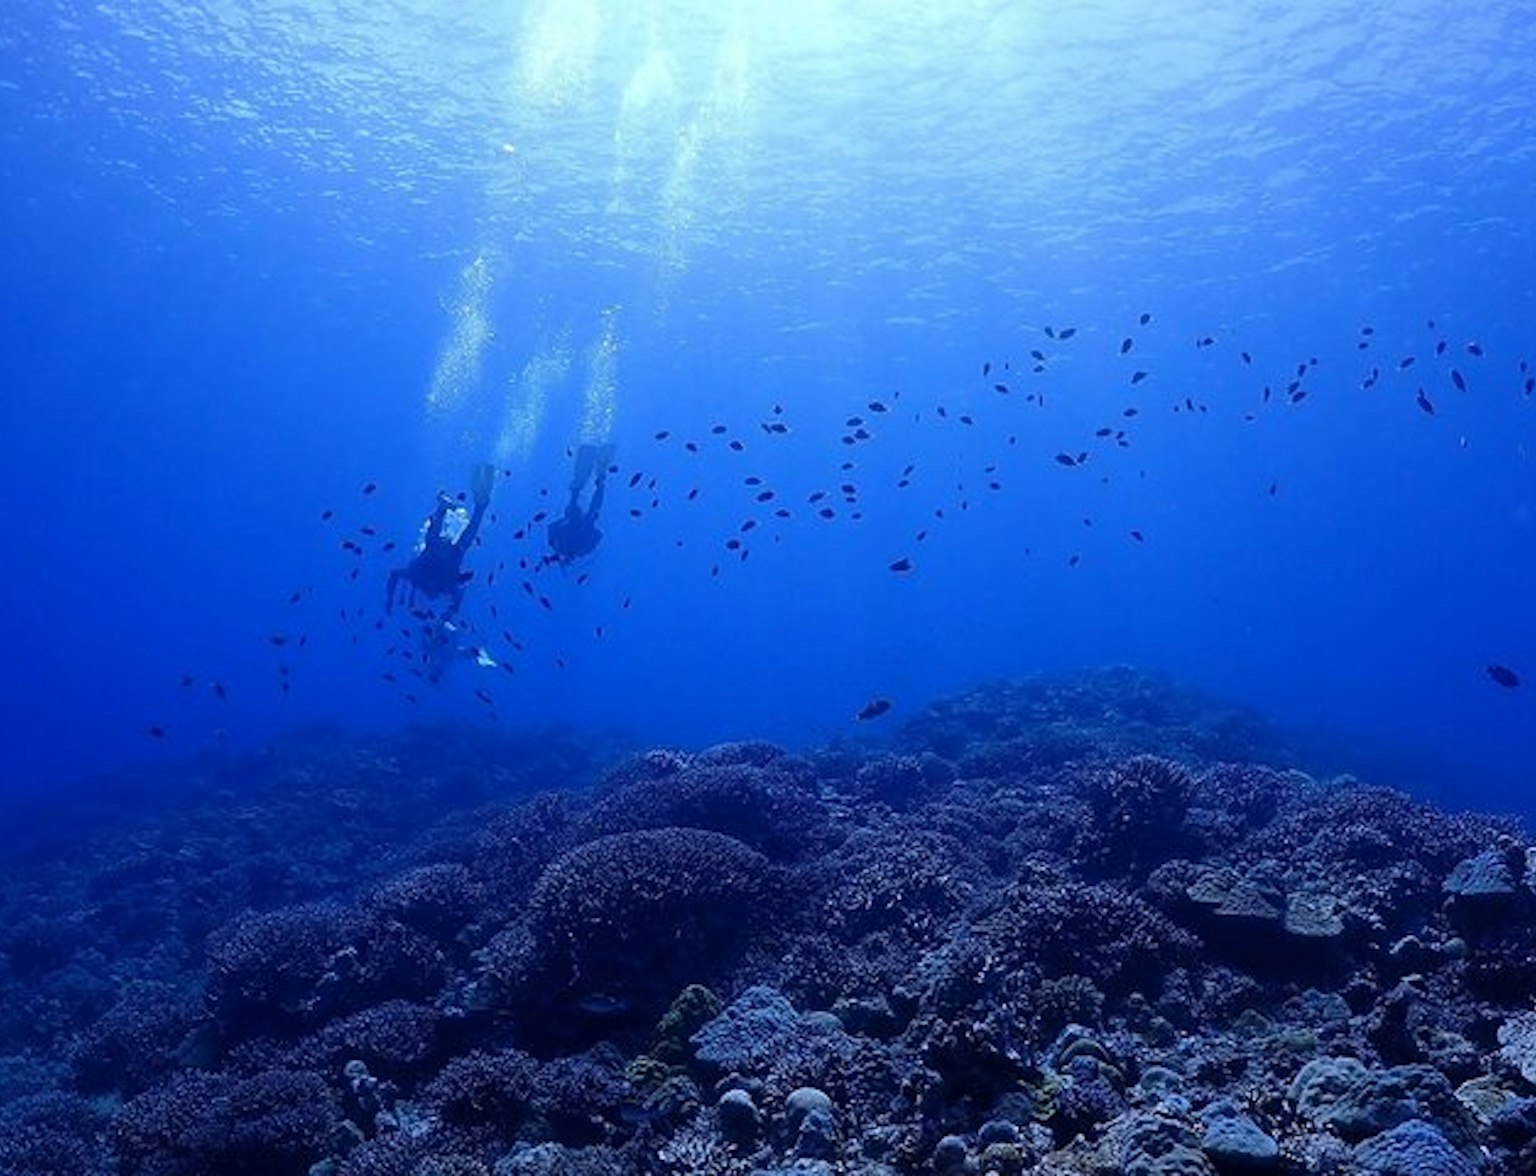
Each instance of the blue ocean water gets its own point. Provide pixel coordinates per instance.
(261, 257)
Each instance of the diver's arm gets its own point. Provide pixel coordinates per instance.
(467, 540)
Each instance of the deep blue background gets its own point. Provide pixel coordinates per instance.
(234, 252)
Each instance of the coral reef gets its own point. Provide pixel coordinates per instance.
(1076, 927)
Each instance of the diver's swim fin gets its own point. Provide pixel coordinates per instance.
(602, 459)
(590, 460)
(482, 481)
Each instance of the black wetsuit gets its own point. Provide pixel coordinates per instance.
(435, 571)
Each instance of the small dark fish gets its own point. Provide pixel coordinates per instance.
(663, 435)
(1145, 318)
(155, 732)
(1475, 349)
(737, 446)
(717, 430)
(1504, 676)
(986, 369)
(327, 515)
(827, 512)
(187, 680)
(1126, 344)
(1459, 380)
(1050, 331)
(277, 639)
(1037, 355)
(1130, 412)
(692, 494)
(370, 487)
(1138, 536)
(877, 406)
(1065, 459)
(1003, 388)
(1066, 332)
(1074, 561)
(765, 496)
(967, 419)
(1425, 403)
(1367, 330)
(901, 565)
(1405, 363)
(1440, 347)
(634, 479)
(691, 446)
(1247, 359)
(873, 709)
(1138, 377)
(1104, 432)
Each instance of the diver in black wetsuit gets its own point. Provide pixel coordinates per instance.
(574, 534)
(435, 570)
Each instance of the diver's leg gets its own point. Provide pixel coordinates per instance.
(596, 504)
(435, 523)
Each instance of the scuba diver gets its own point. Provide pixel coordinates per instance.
(443, 643)
(436, 569)
(574, 534)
